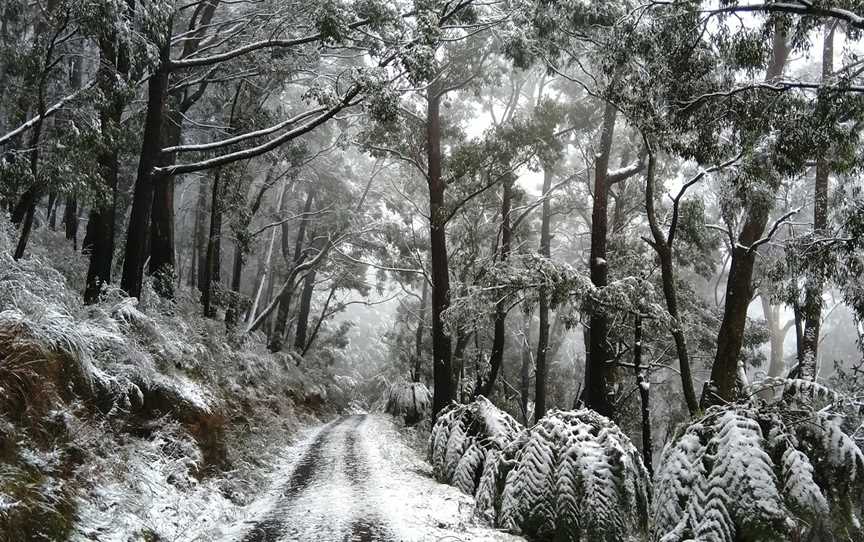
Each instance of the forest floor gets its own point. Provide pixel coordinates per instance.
(358, 479)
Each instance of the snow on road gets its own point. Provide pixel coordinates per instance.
(357, 480)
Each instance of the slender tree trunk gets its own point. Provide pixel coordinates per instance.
(70, 220)
(320, 321)
(543, 306)
(739, 285)
(278, 337)
(212, 261)
(777, 336)
(525, 370)
(599, 372)
(201, 234)
(496, 357)
(142, 199)
(643, 384)
(303, 311)
(52, 210)
(663, 247)
(441, 360)
(418, 334)
(812, 310)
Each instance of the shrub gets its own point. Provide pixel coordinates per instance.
(763, 471)
(409, 400)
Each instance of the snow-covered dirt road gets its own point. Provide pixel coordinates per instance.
(357, 480)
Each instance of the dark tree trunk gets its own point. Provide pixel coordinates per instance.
(418, 334)
(321, 319)
(812, 309)
(162, 261)
(278, 335)
(599, 370)
(496, 357)
(201, 234)
(212, 259)
(142, 198)
(52, 210)
(303, 311)
(543, 307)
(70, 221)
(663, 247)
(525, 370)
(643, 384)
(739, 285)
(99, 239)
(441, 360)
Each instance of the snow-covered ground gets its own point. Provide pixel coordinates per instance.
(356, 479)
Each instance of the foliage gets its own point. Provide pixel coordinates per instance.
(762, 471)
(410, 400)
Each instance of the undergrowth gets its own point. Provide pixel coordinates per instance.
(127, 420)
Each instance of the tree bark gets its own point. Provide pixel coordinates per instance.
(599, 372)
(664, 249)
(643, 384)
(418, 334)
(142, 198)
(543, 306)
(303, 311)
(201, 234)
(212, 260)
(739, 285)
(162, 260)
(525, 371)
(278, 337)
(812, 309)
(496, 357)
(70, 220)
(441, 353)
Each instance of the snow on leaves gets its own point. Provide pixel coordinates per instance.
(573, 476)
(463, 438)
(761, 471)
(577, 477)
(409, 400)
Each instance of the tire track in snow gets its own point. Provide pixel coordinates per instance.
(365, 523)
(272, 527)
(368, 526)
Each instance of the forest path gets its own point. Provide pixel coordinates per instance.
(356, 480)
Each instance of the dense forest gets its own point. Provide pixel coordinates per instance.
(610, 253)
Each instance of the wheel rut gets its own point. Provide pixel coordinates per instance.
(339, 444)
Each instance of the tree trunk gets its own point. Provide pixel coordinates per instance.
(212, 260)
(812, 309)
(142, 198)
(496, 357)
(643, 384)
(543, 307)
(525, 371)
(739, 285)
(418, 334)
(162, 261)
(303, 311)
(663, 247)
(777, 336)
(441, 360)
(599, 371)
(99, 239)
(70, 220)
(279, 331)
(201, 212)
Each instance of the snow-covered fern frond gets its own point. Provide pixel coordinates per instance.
(577, 477)
(411, 401)
(462, 436)
(756, 471)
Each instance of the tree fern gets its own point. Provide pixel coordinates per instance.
(763, 471)
(577, 477)
(462, 437)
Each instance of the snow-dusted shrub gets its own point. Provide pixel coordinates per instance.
(763, 471)
(573, 476)
(409, 400)
(462, 439)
